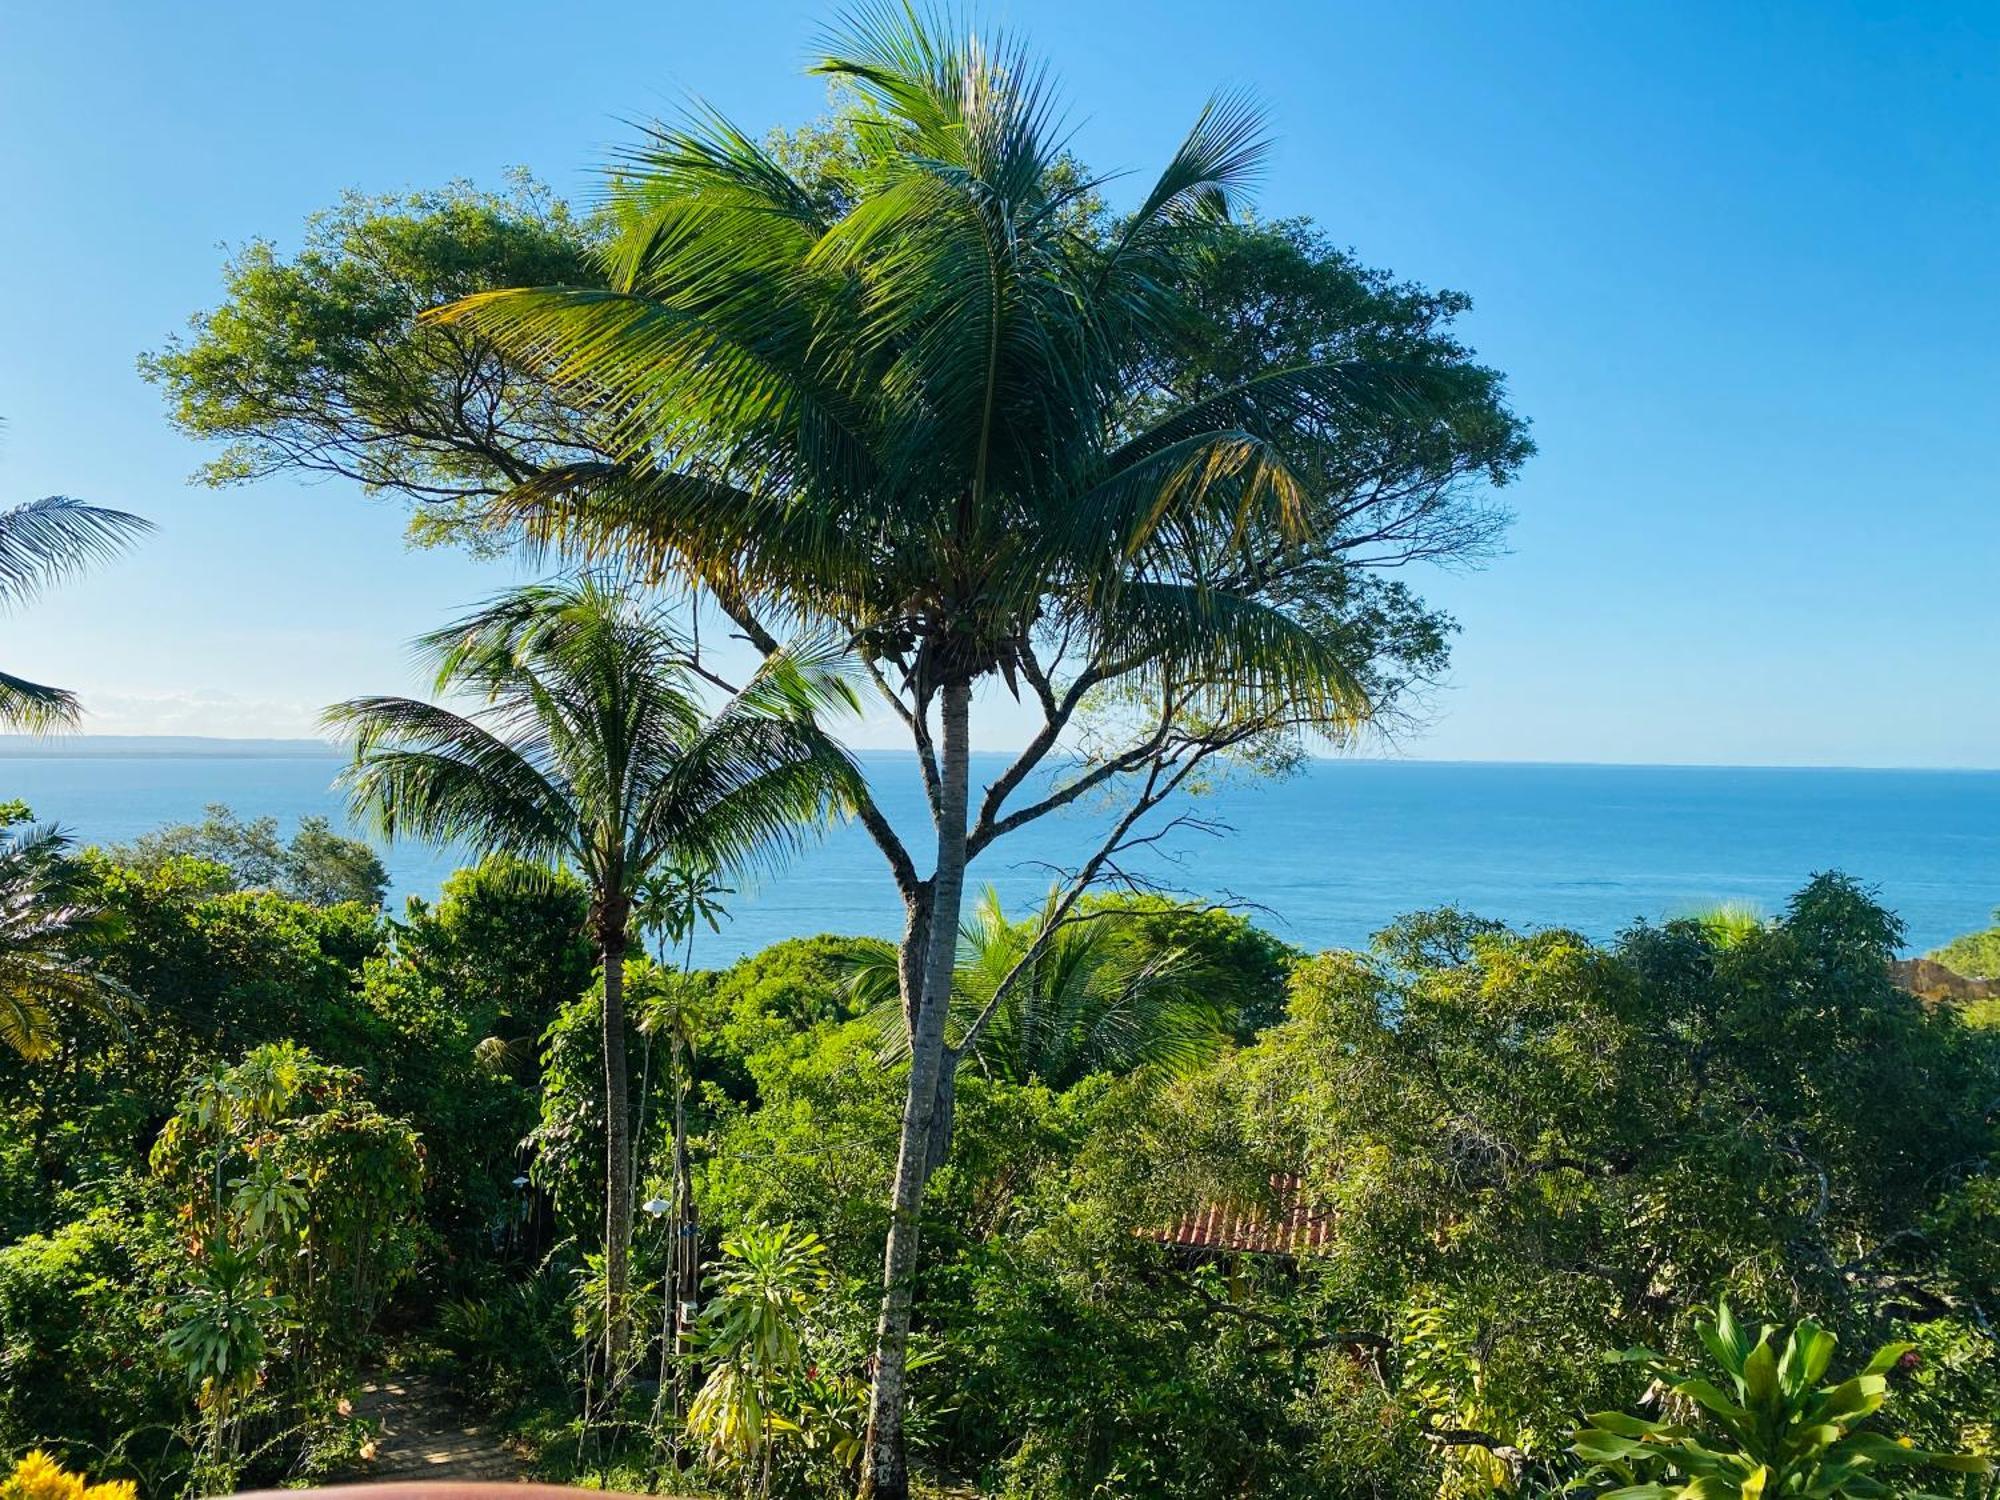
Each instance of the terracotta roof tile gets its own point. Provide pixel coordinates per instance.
(1294, 1228)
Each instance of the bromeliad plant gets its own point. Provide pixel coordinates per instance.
(1777, 1426)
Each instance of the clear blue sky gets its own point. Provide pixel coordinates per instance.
(1741, 263)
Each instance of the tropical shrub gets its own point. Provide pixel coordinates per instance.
(296, 1203)
(1773, 1428)
(751, 1337)
(1239, 969)
(317, 866)
(82, 1370)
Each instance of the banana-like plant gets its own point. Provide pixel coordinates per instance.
(752, 1333)
(1777, 1426)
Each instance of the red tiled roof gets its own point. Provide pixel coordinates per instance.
(1248, 1229)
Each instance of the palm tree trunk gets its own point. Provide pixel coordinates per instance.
(617, 1143)
(885, 1473)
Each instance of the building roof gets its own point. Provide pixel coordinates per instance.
(1291, 1228)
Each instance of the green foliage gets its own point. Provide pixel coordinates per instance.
(223, 972)
(295, 1196)
(750, 1335)
(318, 362)
(509, 1341)
(318, 866)
(1236, 966)
(1518, 1146)
(42, 543)
(46, 924)
(1054, 999)
(568, 1138)
(1775, 1429)
(506, 940)
(1975, 955)
(82, 1367)
(297, 1204)
(1523, 1146)
(766, 999)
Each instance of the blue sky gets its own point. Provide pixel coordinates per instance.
(1741, 264)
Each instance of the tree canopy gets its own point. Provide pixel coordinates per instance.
(317, 865)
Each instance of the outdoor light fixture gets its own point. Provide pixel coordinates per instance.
(656, 1206)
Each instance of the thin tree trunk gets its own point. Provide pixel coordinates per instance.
(687, 1242)
(617, 1145)
(885, 1473)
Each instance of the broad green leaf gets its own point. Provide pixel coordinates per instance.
(1807, 1353)
(1604, 1447)
(1807, 1439)
(1850, 1399)
(1627, 1426)
(1713, 1398)
(1886, 1357)
(1760, 1373)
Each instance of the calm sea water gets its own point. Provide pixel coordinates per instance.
(1326, 857)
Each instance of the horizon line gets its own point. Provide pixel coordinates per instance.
(34, 747)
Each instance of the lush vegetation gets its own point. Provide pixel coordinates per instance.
(1114, 1196)
(310, 1133)
(1975, 955)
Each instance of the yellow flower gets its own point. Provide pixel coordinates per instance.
(39, 1477)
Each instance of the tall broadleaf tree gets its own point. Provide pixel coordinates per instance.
(930, 395)
(591, 746)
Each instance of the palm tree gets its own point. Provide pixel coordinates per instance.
(1088, 999)
(44, 918)
(591, 747)
(672, 906)
(929, 401)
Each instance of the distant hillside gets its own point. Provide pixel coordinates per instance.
(29, 747)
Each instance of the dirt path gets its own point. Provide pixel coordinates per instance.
(424, 1433)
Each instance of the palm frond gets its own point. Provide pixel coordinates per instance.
(1219, 158)
(1235, 655)
(35, 708)
(45, 924)
(1089, 1001)
(426, 772)
(49, 540)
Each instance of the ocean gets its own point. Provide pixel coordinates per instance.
(1323, 858)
